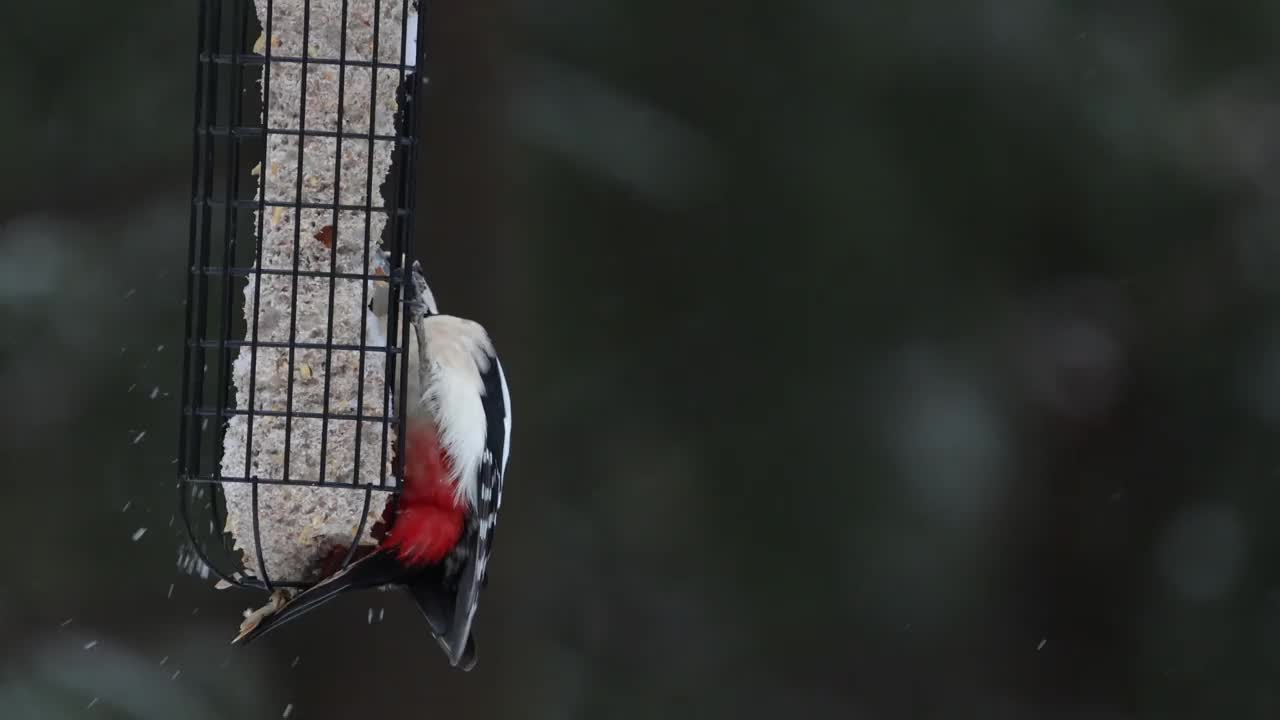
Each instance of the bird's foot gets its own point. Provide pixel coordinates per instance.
(252, 618)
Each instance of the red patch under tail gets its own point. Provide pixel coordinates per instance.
(429, 520)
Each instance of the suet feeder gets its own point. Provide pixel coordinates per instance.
(301, 220)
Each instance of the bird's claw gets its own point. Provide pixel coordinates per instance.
(253, 618)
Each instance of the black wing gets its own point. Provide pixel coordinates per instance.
(433, 593)
(474, 572)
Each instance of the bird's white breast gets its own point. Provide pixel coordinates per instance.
(458, 351)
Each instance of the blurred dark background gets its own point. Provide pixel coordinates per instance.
(897, 360)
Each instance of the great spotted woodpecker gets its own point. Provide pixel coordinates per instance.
(440, 529)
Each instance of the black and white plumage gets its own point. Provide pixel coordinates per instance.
(454, 364)
(439, 541)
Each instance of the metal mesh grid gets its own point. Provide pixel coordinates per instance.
(233, 130)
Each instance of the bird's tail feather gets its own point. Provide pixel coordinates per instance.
(465, 600)
(374, 570)
(437, 606)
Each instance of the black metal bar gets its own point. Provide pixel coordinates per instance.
(297, 240)
(255, 132)
(207, 344)
(395, 346)
(408, 202)
(219, 511)
(257, 285)
(292, 482)
(397, 224)
(243, 271)
(231, 221)
(248, 583)
(333, 246)
(186, 487)
(305, 414)
(249, 204)
(364, 519)
(255, 59)
(368, 220)
(257, 532)
(185, 423)
(206, 226)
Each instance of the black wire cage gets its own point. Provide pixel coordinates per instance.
(302, 219)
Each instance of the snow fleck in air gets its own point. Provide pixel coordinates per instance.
(195, 611)
(170, 595)
(126, 506)
(160, 348)
(204, 424)
(382, 612)
(1040, 647)
(91, 645)
(191, 564)
(130, 293)
(288, 710)
(155, 392)
(370, 616)
(138, 439)
(137, 534)
(91, 704)
(66, 622)
(131, 387)
(294, 664)
(164, 659)
(176, 673)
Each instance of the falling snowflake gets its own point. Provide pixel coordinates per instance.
(190, 563)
